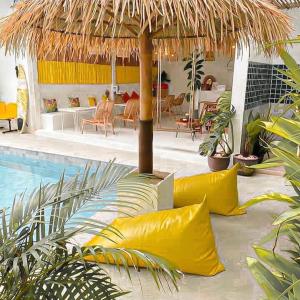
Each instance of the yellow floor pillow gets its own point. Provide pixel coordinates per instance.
(182, 236)
(218, 188)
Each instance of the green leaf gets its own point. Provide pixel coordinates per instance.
(278, 262)
(285, 128)
(287, 216)
(269, 197)
(271, 285)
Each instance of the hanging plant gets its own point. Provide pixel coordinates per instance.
(194, 68)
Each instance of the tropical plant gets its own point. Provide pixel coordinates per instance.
(279, 274)
(194, 67)
(222, 121)
(257, 139)
(39, 255)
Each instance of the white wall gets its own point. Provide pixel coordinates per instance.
(8, 82)
(221, 68)
(239, 95)
(61, 92)
(293, 50)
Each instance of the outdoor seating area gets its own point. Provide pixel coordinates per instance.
(149, 149)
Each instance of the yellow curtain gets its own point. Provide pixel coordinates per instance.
(54, 72)
(131, 74)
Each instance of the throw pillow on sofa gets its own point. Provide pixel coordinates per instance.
(50, 105)
(74, 102)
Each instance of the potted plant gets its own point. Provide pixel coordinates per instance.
(254, 146)
(246, 157)
(219, 145)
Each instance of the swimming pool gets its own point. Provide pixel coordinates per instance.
(19, 174)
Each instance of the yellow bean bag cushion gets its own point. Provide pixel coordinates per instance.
(218, 188)
(182, 236)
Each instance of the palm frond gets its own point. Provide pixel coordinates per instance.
(38, 256)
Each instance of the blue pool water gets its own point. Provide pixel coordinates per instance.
(19, 174)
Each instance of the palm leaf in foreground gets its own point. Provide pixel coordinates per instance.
(279, 274)
(38, 253)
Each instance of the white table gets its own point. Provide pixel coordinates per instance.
(120, 104)
(75, 111)
(119, 108)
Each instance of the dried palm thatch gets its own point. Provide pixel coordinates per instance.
(287, 3)
(89, 27)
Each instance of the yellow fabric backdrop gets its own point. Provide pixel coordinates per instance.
(54, 72)
(131, 74)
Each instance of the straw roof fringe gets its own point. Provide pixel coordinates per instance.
(100, 27)
(287, 3)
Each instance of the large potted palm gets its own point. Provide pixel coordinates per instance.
(219, 145)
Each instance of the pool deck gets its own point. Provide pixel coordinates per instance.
(234, 235)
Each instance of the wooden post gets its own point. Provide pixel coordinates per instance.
(146, 118)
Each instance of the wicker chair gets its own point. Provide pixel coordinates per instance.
(131, 113)
(168, 104)
(103, 117)
(178, 102)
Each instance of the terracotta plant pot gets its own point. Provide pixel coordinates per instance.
(218, 163)
(244, 162)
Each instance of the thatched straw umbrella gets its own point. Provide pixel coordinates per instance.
(45, 27)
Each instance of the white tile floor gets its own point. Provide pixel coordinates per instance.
(234, 235)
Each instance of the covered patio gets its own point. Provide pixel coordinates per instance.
(155, 221)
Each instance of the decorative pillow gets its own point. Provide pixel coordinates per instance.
(134, 95)
(50, 105)
(125, 97)
(92, 101)
(182, 236)
(219, 189)
(74, 102)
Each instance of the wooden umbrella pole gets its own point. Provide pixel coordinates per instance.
(146, 118)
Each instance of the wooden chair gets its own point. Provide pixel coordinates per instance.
(130, 114)
(208, 107)
(177, 103)
(168, 104)
(103, 117)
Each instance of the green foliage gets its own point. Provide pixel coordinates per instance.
(222, 120)
(279, 276)
(257, 138)
(194, 67)
(39, 255)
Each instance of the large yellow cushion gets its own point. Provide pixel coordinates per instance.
(218, 188)
(182, 236)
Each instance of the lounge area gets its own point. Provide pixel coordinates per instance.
(149, 149)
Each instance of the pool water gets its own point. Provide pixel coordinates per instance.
(19, 174)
